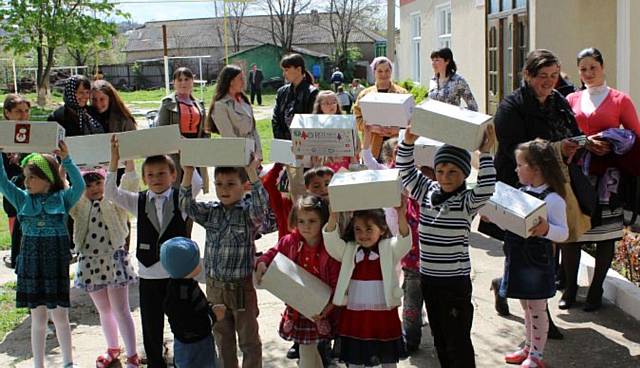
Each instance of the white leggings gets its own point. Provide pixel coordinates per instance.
(39, 320)
(115, 314)
(309, 356)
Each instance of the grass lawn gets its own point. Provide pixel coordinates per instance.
(143, 99)
(5, 237)
(10, 316)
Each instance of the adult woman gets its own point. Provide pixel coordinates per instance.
(230, 111)
(74, 116)
(108, 108)
(597, 108)
(296, 97)
(181, 108)
(15, 107)
(537, 110)
(382, 69)
(447, 85)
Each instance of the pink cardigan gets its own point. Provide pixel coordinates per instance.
(617, 108)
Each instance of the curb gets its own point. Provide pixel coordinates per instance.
(617, 289)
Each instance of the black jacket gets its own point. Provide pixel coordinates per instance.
(257, 84)
(520, 118)
(70, 121)
(190, 314)
(291, 101)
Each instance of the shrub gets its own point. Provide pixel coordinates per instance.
(627, 256)
(418, 91)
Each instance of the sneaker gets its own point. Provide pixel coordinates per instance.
(293, 352)
(532, 362)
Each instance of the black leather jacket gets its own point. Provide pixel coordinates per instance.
(291, 101)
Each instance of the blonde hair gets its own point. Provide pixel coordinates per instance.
(322, 96)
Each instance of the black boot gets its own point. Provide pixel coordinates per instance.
(293, 352)
(501, 305)
(570, 262)
(553, 333)
(604, 256)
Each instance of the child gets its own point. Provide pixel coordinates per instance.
(412, 300)
(231, 224)
(159, 219)
(327, 103)
(304, 246)
(190, 314)
(446, 210)
(43, 262)
(369, 329)
(529, 267)
(316, 182)
(344, 99)
(104, 268)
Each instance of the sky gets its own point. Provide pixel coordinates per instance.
(147, 10)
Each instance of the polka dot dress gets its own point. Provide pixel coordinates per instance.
(100, 263)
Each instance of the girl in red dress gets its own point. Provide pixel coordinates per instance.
(305, 246)
(369, 329)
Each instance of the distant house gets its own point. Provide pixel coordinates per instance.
(204, 36)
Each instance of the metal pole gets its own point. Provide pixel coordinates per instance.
(166, 59)
(226, 35)
(15, 75)
(391, 29)
(201, 78)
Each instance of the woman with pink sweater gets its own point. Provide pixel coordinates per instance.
(598, 108)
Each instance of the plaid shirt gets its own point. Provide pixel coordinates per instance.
(229, 251)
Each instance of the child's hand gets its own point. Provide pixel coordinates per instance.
(315, 161)
(261, 268)
(63, 151)
(129, 166)
(188, 169)
(409, 137)
(218, 311)
(542, 229)
(325, 312)
(115, 149)
(488, 140)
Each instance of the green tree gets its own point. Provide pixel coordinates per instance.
(41, 26)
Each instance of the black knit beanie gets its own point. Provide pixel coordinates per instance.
(455, 155)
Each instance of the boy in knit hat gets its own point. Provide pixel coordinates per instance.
(190, 315)
(447, 209)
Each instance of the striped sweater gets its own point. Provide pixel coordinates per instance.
(444, 229)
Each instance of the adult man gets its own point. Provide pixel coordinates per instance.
(337, 78)
(255, 83)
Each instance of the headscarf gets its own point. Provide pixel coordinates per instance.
(87, 124)
(41, 163)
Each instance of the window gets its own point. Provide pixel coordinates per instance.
(381, 49)
(444, 26)
(416, 37)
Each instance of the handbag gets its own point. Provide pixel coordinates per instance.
(584, 190)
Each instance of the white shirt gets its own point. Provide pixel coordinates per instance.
(129, 201)
(592, 97)
(556, 214)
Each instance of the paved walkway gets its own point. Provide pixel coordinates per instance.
(607, 338)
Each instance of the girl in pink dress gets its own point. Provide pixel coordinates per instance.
(327, 103)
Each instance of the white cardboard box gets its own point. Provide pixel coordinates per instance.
(281, 152)
(90, 150)
(387, 109)
(30, 136)
(143, 143)
(296, 286)
(424, 151)
(323, 135)
(201, 152)
(363, 190)
(450, 124)
(514, 210)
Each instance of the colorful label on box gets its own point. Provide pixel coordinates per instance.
(323, 142)
(22, 134)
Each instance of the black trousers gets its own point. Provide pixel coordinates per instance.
(450, 317)
(152, 294)
(256, 92)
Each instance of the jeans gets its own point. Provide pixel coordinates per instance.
(200, 354)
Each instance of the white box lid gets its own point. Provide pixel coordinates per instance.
(390, 98)
(365, 176)
(323, 121)
(456, 112)
(516, 201)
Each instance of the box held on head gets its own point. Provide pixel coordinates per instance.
(364, 190)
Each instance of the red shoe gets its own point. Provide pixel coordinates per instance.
(133, 361)
(106, 359)
(517, 357)
(532, 362)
